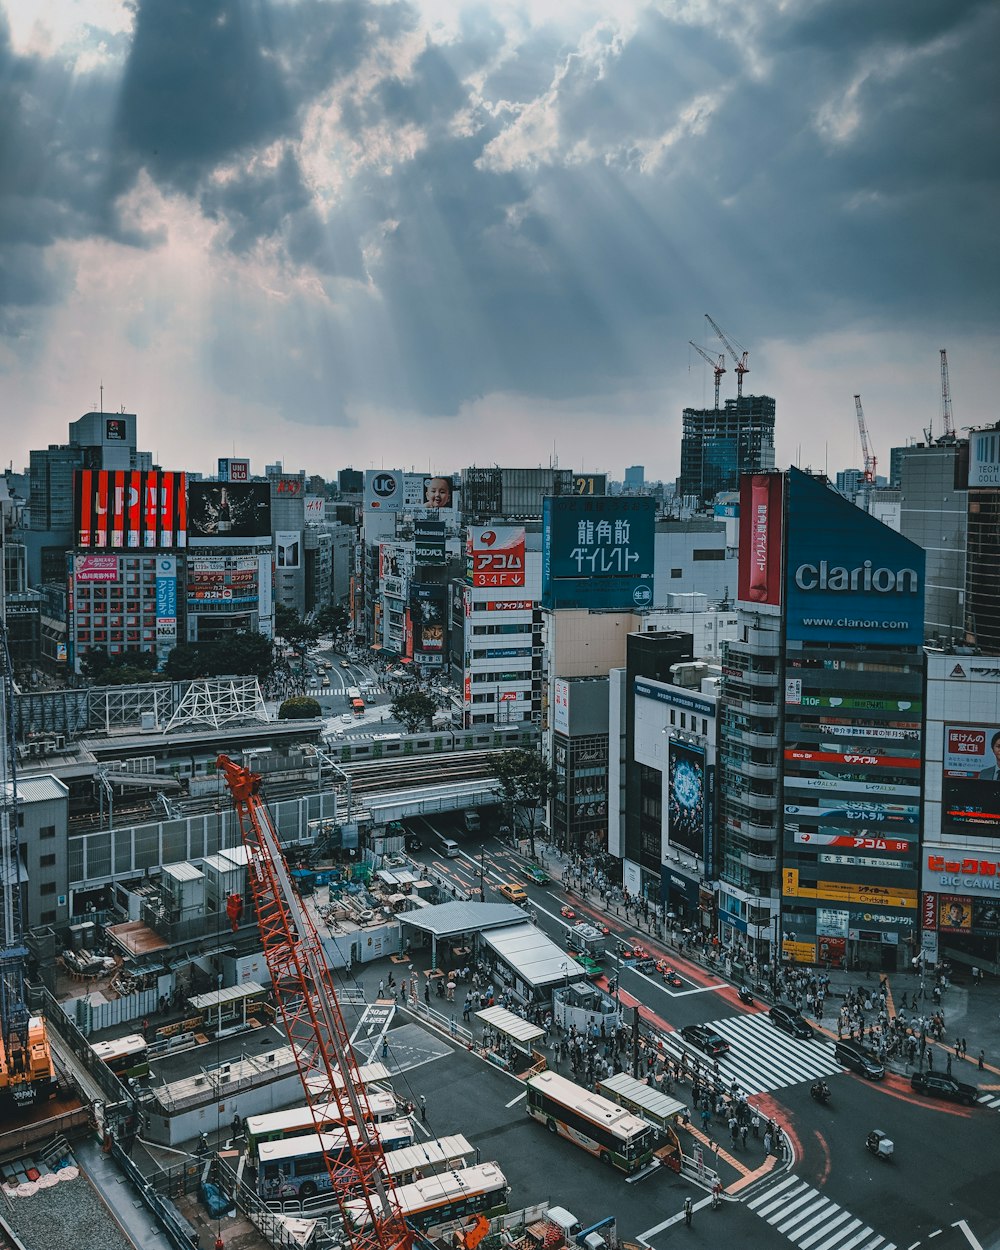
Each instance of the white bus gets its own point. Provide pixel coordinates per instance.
(273, 1125)
(428, 1158)
(433, 1202)
(599, 1126)
(294, 1167)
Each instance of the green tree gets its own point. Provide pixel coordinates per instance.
(285, 619)
(332, 618)
(244, 654)
(415, 709)
(525, 782)
(300, 707)
(128, 668)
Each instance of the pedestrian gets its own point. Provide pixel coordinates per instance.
(948, 1066)
(965, 1049)
(427, 992)
(423, 1108)
(385, 1048)
(767, 1143)
(755, 1125)
(145, 1029)
(982, 1060)
(688, 1212)
(381, 989)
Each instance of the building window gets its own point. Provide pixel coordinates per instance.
(676, 573)
(47, 887)
(710, 553)
(47, 831)
(46, 861)
(48, 917)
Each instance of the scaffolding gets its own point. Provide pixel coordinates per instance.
(220, 701)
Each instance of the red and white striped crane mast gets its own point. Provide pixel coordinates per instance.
(317, 1034)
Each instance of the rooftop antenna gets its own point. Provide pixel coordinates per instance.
(102, 394)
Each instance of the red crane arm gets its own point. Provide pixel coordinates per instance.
(312, 1018)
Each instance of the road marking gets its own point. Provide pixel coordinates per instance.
(522, 1094)
(674, 1219)
(812, 1221)
(968, 1233)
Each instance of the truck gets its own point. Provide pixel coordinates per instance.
(471, 822)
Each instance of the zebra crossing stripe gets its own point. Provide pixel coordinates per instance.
(988, 1100)
(812, 1221)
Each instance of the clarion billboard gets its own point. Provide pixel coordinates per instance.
(761, 521)
(848, 578)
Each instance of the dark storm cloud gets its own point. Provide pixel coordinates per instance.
(834, 163)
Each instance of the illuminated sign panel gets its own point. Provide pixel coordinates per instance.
(761, 521)
(127, 510)
(495, 556)
(597, 552)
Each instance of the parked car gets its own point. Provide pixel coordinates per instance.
(513, 892)
(706, 1039)
(939, 1085)
(790, 1021)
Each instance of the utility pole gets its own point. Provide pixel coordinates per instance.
(482, 874)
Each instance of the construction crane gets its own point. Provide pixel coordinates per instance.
(27, 1075)
(718, 366)
(317, 1034)
(739, 354)
(870, 462)
(946, 412)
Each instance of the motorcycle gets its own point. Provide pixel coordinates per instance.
(880, 1145)
(820, 1091)
(745, 996)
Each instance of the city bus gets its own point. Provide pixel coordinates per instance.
(295, 1167)
(125, 1056)
(599, 1126)
(355, 700)
(440, 1154)
(273, 1125)
(433, 1202)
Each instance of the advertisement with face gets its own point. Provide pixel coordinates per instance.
(848, 578)
(686, 797)
(229, 514)
(392, 490)
(427, 613)
(970, 786)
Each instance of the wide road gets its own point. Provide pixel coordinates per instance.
(938, 1191)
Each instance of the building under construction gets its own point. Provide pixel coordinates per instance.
(719, 444)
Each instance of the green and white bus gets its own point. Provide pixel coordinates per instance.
(429, 1205)
(595, 1124)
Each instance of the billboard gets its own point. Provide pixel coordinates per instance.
(315, 509)
(495, 555)
(686, 797)
(984, 458)
(288, 549)
(761, 521)
(427, 613)
(848, 578)
(393, 560)
(560, 706)
(166, 599)
(126, 509)
(233, 470)
(225, 579)
(429, 541)
(597, 552)
(228, 514)
(392, 490)
(970, 783)
(115, 430)
(96, 568)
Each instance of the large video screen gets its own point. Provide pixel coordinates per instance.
(229, 514)
(686, 798)
(970, 782)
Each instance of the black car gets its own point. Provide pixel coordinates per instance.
(942, 1086)
(791, 1021)
(705, 1039)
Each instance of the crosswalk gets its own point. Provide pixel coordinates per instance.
(762, 1057)
(813, 1222)
(989, 1100)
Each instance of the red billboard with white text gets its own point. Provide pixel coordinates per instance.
(126, 509)
(761, 512)
(495, 555)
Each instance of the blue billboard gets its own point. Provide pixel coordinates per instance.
(597, 552)
(848, 577)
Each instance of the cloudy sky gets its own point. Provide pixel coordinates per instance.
(443, 232)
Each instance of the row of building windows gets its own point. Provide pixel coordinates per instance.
(495, 678)
(501, 629)
(116, 635)
(688, 720)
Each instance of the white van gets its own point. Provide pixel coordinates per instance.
(451, 849)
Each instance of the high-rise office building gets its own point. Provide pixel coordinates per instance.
(718, 445)
(822, 722)
(982, 572)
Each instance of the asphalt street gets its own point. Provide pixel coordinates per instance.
(937, 1191)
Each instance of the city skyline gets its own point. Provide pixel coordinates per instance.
(437, 235)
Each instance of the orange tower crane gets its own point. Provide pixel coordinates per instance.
(870, 461)
(718, 366)
(739, 354)
(317, 1034)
